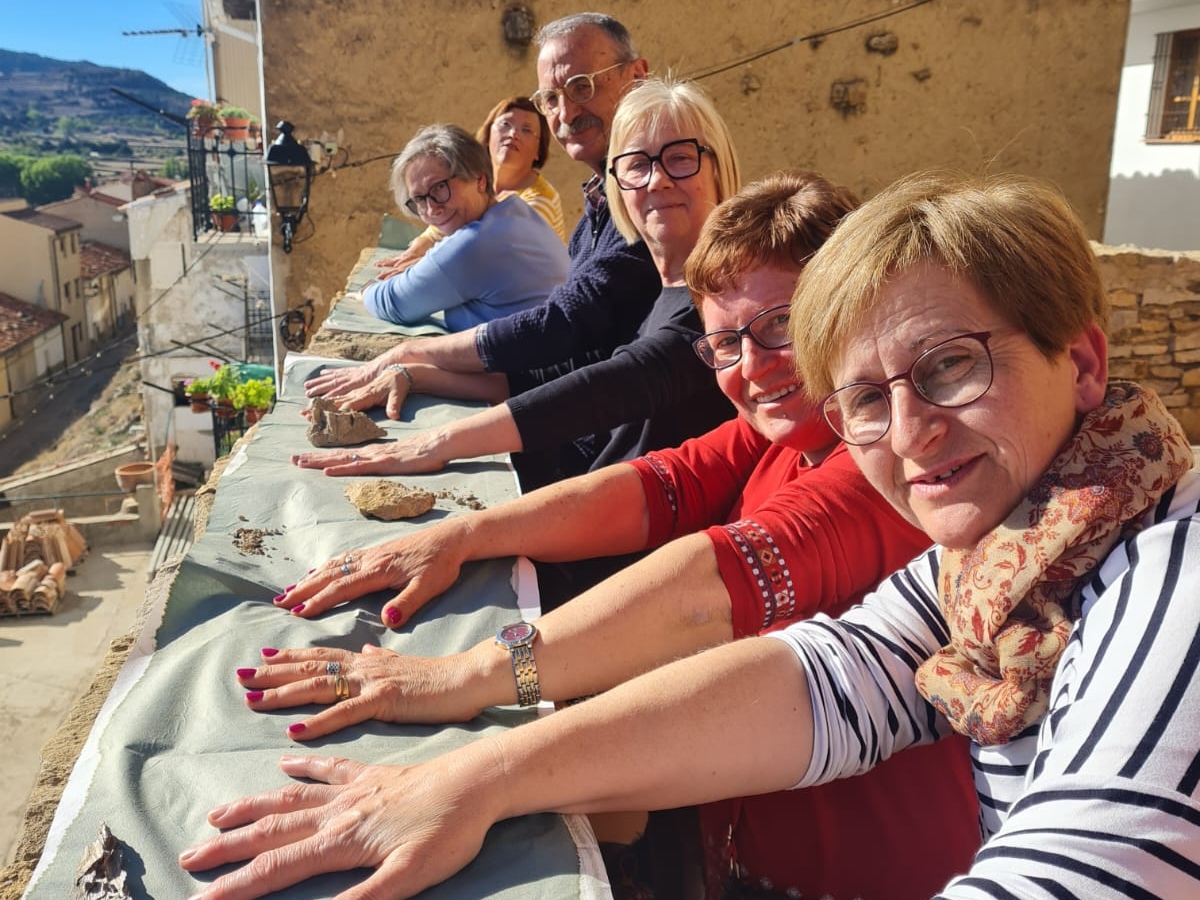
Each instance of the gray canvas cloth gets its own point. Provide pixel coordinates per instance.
(175, 738)
(350, 314)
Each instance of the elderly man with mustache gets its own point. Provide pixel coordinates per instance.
(585, 65)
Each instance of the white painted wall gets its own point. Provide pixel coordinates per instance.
(1154, 189)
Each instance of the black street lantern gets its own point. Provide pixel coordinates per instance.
(289, 168)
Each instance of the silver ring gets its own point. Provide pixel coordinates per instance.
(345, 568)
(353, 457)
(333, 668)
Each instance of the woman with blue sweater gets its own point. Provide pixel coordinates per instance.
(497, 258)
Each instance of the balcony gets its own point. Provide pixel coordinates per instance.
(223, 163)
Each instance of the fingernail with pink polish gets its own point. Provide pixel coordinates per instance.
(269, 651)
(254, 696)
(288, 588)
(246, 673)
(296, 728)
(393, 615)
(278, 598)
(297, 609)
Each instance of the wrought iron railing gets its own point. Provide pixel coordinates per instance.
(220, 167)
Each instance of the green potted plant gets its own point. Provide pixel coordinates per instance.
(254, 397)
(198, 391)
(223, 385)
(236, 120)
(224, 211)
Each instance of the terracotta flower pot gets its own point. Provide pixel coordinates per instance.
(199, 402)
(225, 221)
(131, 475)
(254, 413)
(236, 129)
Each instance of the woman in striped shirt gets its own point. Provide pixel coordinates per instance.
(955, 330)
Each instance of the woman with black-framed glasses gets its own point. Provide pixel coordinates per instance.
(497, 256)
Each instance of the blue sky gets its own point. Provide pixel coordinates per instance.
(91, 30)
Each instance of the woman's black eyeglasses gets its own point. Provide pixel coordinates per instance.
(439, 192)
(722, 349)
(678, 159)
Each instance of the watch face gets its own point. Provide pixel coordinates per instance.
(514, 634)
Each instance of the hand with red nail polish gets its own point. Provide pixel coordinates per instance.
(383, 685)
(419, 566)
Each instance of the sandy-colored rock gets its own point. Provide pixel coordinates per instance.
(389, 499)
(330, 427)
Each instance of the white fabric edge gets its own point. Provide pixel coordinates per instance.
(79, 782)
(593, 877)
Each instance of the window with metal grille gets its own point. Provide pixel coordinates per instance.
(1174, 113)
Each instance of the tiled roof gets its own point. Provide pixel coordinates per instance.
(57, 224)
(21, 321)
(97, 259)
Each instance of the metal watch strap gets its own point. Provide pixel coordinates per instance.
(529, 689)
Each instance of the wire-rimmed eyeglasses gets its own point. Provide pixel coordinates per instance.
(439, 192)
(722, 349)
(678, 159)
(577, 89)
(951, 373)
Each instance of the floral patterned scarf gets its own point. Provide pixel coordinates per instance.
(1010, 601)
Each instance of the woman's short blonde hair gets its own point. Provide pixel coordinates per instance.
(464, 156)
(682, 103)
(1015, 239)
(779, 221)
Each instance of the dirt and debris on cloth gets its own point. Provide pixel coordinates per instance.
(351, 345)
(389, 500)
(330, 427)
(253, 540)
(469, 500)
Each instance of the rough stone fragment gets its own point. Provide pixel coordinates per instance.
(389, 499)
(330, 427)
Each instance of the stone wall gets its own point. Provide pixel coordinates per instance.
(1154, 335)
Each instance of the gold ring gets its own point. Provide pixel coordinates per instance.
(341, 689)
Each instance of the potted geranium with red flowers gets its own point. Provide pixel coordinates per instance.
(204, 115)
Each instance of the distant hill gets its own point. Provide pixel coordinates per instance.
(56, 89)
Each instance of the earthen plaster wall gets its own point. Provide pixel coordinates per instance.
(983, 85)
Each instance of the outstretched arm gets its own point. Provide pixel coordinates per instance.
(602, 513)
(729, 722)
(666, 606)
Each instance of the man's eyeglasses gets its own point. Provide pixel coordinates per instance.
(952, 373)
(577, 89)
(439, 192)
(722, 349)
(678, 159)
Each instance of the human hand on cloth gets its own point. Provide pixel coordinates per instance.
(414, 825)
(424, 453)
(420, 566)
(374, 684)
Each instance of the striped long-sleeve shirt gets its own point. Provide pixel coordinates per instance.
(1101, 799)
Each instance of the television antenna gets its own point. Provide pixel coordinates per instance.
(187, 52)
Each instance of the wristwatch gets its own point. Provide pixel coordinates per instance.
(518, 640)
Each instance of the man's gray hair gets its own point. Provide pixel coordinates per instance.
(567, 25)
(464, 156)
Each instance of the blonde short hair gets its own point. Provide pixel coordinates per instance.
(682, 103)
(1015, 239)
